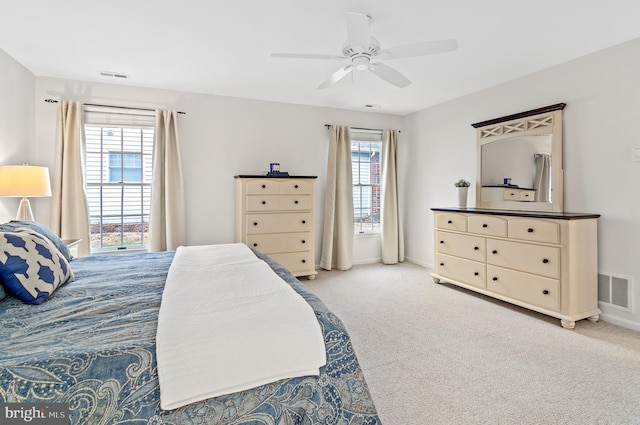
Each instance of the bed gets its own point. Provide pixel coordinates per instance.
(92, 345)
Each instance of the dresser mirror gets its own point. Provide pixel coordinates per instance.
(520, 161)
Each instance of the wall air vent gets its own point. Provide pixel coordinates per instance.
(614, 291)
(111, 74)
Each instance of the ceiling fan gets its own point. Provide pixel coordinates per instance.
(362, 49)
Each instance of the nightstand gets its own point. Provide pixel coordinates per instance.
(73, 246)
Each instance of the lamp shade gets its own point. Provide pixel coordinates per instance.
(24, 180)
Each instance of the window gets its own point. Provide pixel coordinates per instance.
(119, 157)
(366, 148)
(125, 167)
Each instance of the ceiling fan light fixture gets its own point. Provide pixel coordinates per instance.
(360, 63)
(361, 49)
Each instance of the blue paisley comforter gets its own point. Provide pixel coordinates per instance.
(92, 345)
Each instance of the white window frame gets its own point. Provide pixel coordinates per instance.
(366, 141)
(133, 207)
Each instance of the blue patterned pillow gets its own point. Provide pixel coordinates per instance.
(31, 267)
(41, 229)
(3, 293)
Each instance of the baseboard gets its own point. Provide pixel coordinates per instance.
(629, 324)
(367, 261)
(419, 262)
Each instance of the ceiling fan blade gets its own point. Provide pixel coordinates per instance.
(389, 74)
(306, 56)
(335, 77)
(418, 49)
(358, 31)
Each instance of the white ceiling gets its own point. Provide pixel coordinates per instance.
(223, 47)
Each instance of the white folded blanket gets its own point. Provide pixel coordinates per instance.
(228, 323)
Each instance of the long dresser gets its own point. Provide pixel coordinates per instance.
(275, 215)
(543, 261)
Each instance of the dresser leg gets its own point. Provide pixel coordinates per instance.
(594, 319)
(311, 277)
(436, 279)
(568, 324)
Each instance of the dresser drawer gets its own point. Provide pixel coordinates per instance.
(488, 225)
(527, 195)
(532, 289)
(451, 221)
(278, 203)
(460, 245)
(279, 243)
(536, 230)
(295, 262)
(537, 259)
(466, 271)
(510, 195)
(262, 187)
(277, 223)
(296, 187)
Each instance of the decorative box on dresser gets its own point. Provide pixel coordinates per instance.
(275, 215)
(543, 261)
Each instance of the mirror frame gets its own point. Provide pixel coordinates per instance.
(545, 120)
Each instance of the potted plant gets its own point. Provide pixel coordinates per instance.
(463, 188)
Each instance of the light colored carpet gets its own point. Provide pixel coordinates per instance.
(437, 354)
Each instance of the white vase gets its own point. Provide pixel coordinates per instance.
(462, 197)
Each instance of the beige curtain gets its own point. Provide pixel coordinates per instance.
(392, 235)
(542, 179)
(69, 209)
(337, 238)
(167, 221)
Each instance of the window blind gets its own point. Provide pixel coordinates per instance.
(121, 117)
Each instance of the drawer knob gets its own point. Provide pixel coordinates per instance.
(441, 241)
(495, 278)
(303, 241)
(255, 223)
(475, 248)
(476, 273)
(264, 202)
(485, 225)
(255, 244)
(530, 230)
(494, 251)
(296, 202)
(304, 261)
(546, 292)
(264, 186)
(304, 221)
(544, 260)
(449, 222)
(296, 186)
(442, 264)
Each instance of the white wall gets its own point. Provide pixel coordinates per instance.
(17, 122)
(221, 137)
(602, 92)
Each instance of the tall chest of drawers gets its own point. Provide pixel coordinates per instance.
(275, 215)
(546, 262)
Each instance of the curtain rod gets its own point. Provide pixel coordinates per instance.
(359, 128)
(112, 106)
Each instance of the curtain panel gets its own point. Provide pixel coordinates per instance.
(337, 238)
(392, 232)
(542, 180)
(167, 218)
(69, 208)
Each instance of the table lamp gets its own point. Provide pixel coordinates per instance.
(22, 181)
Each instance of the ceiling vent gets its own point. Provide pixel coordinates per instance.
(111, 74)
